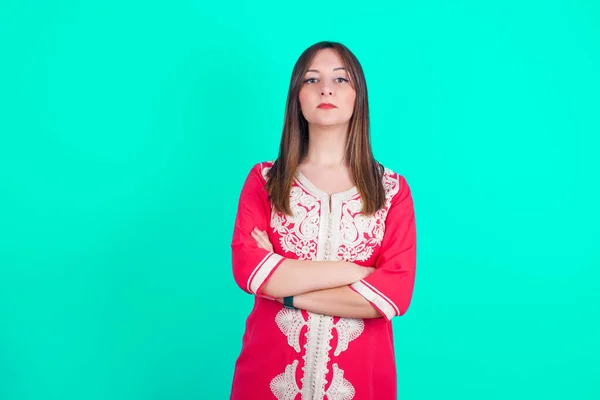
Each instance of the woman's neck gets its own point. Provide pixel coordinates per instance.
(327, 145)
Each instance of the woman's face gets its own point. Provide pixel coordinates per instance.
(326, 81)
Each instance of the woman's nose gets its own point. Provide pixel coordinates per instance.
(326, 90)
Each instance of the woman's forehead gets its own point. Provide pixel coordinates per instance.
(326, 59)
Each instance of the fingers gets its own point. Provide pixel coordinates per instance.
(262, 239)
(366, 271)
(257, 237)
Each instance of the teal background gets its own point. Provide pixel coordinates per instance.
(128, 128)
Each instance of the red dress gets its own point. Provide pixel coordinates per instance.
(298, 355)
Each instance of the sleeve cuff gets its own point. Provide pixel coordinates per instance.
(381, 302)
(263, 271)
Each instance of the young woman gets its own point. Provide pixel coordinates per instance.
(325, 240)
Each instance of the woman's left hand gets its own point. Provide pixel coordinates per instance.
(262, 239)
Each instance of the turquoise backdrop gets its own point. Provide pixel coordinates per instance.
(128, 128)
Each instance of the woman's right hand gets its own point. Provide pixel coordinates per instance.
(363, 272)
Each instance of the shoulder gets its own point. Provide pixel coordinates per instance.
(393, 183)
(260, 169)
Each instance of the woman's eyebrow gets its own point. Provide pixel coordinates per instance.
(317, 71)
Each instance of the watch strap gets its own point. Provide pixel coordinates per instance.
(288, 302)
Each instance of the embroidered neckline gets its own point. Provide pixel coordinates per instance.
(320, 193)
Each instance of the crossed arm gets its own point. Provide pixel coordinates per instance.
(329, 295)
(326, 287)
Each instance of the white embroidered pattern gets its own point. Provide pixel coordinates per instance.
(284, 385)
(340, 388)
(348, 329)
(316, 356)
(360, 234)
(291, 322)
(298, 233)
(265, 171)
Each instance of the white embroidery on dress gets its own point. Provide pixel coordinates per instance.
(265, 170)
(291, 322)
(347, 329)
(340, 388)
(316, 357)
(360, 234)
(298, 233)
(284, 385)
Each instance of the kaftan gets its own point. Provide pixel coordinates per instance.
(298, 355)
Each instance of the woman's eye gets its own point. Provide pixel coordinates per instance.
(314, 80)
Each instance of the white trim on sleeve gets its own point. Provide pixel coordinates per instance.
(376, 297)
(262, 270)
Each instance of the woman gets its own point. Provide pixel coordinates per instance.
(325, 240)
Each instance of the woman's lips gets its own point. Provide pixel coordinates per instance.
(326, 106)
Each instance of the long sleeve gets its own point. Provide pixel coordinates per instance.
(252, 265)
(389, 288)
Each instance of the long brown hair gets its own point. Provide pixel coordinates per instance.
(367, 172)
